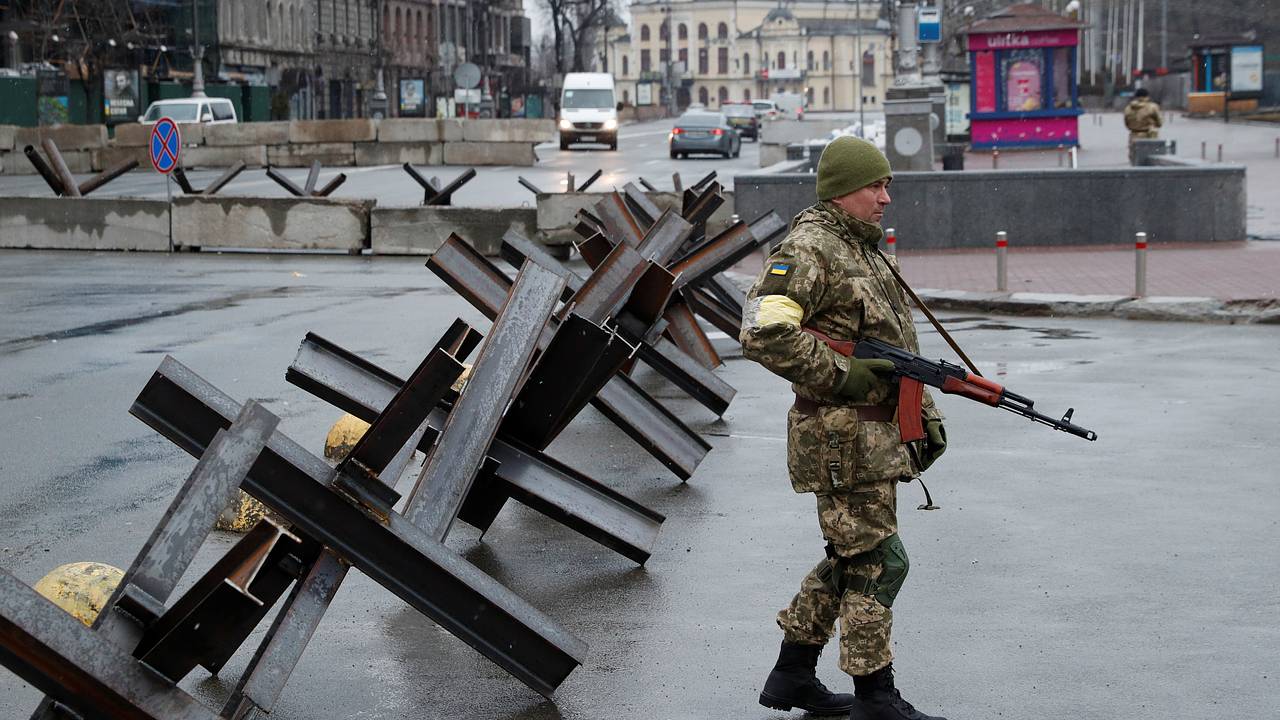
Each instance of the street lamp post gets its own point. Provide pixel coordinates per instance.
(197, 53)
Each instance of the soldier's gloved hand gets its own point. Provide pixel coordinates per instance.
(862, 377)
(935, 443)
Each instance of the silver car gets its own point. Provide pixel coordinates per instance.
(704, 132)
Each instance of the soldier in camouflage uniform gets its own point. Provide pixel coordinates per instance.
(843, 441)
(1142, 118)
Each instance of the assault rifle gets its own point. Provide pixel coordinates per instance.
(914, 372)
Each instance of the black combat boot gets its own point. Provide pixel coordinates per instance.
(877, 699)
(794, 683)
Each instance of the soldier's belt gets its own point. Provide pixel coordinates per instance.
(868, 413)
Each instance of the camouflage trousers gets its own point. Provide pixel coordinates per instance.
(853, 522)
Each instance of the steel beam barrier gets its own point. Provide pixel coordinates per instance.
(393, 552)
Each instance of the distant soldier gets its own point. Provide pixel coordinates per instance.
(1142, 117)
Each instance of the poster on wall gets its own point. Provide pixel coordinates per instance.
(1246, 69)
(984, 81)
(644, 94)
(120, 96)
(52, 88)
(413, 101)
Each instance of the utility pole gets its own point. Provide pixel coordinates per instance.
(861, 66)
(671, 85)
(1164, 34)
(197, 52)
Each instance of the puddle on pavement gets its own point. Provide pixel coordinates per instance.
(1004, 368)
(1044, 333)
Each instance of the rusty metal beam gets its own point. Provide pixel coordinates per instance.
(620, 225)
(587, 183)
(227, 176)
(665, 237)
(107, 176)
(460, 450)
(46, 172)
(710, 309)
(69, 186)
(444, 195)
(284, 182)
(684, 329)
(392, 551)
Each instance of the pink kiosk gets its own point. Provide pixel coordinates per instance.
(1024, 90)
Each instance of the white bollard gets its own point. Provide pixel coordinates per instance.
(891, 241)
(995, 159)
(1075, 156)
(1140, 265)
(1002, 261)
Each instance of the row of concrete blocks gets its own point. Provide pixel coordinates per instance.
(297, 143)
(217, 222)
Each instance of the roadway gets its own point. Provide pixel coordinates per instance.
(1131, 577)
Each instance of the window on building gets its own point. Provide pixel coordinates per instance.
(664, 56)
(723, 95)
(664, 30)
(626, 66)
(746, 63)
(746, 94)
(646, 61)
(722, 31)
(682, 31)
(702, 95)
(808, 96)
(702, 31)
(418, 37)
(808, 61)
(826, 96)
(702, 61)
(868, 69)
(395, 37)
(644, 33)
(722, 60)
(626, 96)
(683, 55)
(826, 60)
(782, 60)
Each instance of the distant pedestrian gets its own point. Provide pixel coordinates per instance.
(1142, 117)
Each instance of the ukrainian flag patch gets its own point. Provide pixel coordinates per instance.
(779, 269)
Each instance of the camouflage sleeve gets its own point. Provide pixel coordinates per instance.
(787, 293)
(928, 410)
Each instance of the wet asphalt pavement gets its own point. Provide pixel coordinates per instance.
(1131, 577)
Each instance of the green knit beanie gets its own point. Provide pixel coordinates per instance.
(849, 163)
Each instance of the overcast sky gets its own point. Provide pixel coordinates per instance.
(537, 12)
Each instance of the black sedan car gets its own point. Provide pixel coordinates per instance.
(704, 132)
(742, 117)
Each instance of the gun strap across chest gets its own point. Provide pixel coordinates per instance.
(941, 330)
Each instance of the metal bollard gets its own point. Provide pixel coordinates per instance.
(995, 159)
(1060, 155)
(891, 241)
(1204, 150)
(1002, 261)
(1219, 152)
(1278, 148)
(1140, 265)
(1075, 156)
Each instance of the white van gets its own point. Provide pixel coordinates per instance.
(207, 110)
(589, 110)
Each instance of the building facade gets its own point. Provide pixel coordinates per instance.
(835, 55)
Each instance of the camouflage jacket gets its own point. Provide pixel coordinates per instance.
(1142, 116)
(830, 275)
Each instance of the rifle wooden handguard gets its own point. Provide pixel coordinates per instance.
(910, 391)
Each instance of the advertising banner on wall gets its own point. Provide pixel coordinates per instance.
(644, 94)
(120, 98)
(52, 90)
(1246, 69)
(413, 95)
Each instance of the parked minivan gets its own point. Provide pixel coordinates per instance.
(589, 110)
(206, 110)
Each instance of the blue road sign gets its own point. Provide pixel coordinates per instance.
(166, 143)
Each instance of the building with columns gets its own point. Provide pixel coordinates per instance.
(836, 55)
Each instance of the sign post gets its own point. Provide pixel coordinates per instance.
(164, 149)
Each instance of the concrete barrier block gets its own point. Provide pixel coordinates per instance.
(333, 131)
(225, 156)
(489, 153)
(253, 133)
(15, 163)
(398, 153)
(417, 130)
(84, 223)
(8, 134)
(68, 137)
(132, 135)
(303, 154)
(106, 157)
(451, 129)
(271, 223)
(509, 130)
(422, 230)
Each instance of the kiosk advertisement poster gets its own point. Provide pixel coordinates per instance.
(644, 94)
(413, 97)
(52, 106)
(120, 96)
(1246, 69)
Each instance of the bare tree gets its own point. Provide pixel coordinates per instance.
(573, 23)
